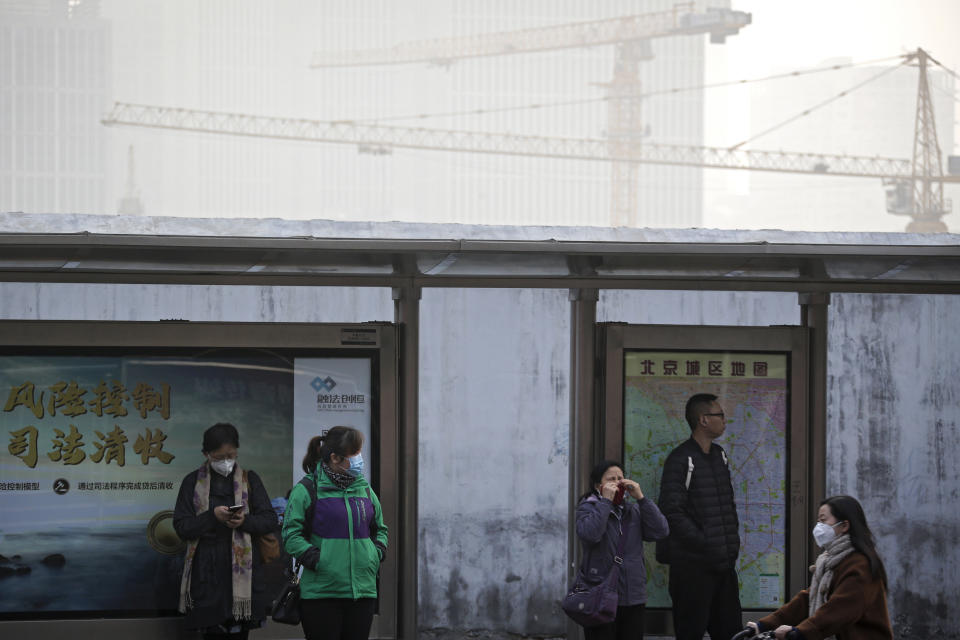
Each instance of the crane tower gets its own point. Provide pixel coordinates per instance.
(630, 35)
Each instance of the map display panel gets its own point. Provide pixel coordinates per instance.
(753, 390)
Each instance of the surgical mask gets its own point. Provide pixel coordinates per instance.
(356, 465)
(223, 467)
(824, 534)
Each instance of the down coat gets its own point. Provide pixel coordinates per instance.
(704, 527)
(599, 527)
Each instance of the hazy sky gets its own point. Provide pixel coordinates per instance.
(787, 35)
(795, 34)
(169, 53)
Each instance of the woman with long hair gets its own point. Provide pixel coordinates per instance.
(339, 537)
(847, 598)
(220, 509)
(603, 517)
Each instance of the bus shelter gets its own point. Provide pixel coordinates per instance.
(620, 374)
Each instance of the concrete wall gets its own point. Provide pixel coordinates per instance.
(893, 412)
(129, 302)
(493, 460)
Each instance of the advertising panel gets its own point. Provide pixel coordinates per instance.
(753, 391)
(96, 448)
(331, 392)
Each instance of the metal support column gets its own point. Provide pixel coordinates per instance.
(406, 313)
(583, 330)
(814, 317)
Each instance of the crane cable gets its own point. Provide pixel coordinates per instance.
(953, 95)
(807, 112)
(943, 66)
(648, 94)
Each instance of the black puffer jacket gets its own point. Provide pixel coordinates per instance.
(704, 528)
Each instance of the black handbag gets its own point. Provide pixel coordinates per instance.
(590, 605)
(286, 607)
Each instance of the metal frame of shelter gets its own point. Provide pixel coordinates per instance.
(814, 270)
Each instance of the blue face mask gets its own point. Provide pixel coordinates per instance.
(356, 465)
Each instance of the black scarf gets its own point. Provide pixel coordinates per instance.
(342, 480)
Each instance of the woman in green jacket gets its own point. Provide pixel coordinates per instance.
(339, 537)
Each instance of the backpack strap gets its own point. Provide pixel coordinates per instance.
(373, 527)
(690, 471)
(311, 487)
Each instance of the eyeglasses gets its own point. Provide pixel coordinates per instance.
(719, 415)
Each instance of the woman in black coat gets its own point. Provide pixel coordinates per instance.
(222, 591)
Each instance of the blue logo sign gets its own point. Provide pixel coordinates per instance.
(325, 384)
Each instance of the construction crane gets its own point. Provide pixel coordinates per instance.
(681, 20)
(922, 176)
(382, 138)
(631, 35)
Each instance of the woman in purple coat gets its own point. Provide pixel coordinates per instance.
(604, 515)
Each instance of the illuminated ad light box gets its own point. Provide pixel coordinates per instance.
(96, 446)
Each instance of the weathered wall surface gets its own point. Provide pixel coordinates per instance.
(493, 459)
(893, 443)
(731, 308)
(494, 433)
(129, 302)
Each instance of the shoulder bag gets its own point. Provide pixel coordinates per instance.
(269, 546)
(590, 605)
(286, 607)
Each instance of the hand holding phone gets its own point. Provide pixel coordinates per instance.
(618, 497)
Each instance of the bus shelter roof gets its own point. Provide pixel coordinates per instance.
(270, 251)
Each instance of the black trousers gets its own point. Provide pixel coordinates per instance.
(705, 601)
(337, 619)
(628, 625)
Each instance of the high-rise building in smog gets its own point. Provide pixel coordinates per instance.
(582, 193)
(252, 57)
(672, 196)
(54, 89)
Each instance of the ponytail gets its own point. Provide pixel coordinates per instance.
(343, 441)
(313, 454)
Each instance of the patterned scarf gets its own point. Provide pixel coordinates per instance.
(834, 551)
(342, 480)
(242, 545)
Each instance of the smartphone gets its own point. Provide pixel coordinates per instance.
(235, 508)
(618, 498)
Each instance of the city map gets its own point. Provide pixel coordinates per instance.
(752, 389)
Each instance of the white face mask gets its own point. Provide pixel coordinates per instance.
(223, 467)
(824, 534)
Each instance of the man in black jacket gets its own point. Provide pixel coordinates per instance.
(696, 496)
